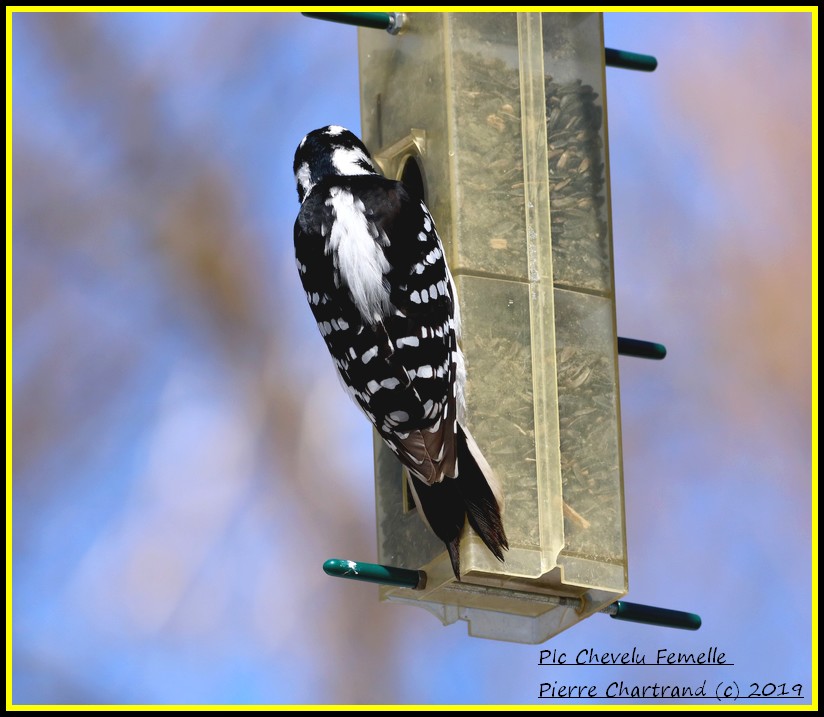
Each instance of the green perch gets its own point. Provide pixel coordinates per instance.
(373, 573)
(641, 349)
(650, 615)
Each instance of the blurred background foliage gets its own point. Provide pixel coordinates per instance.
(184, 459)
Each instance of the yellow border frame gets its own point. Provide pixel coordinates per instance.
(11, 10)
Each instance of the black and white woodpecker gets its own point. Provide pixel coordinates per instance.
(376, 278)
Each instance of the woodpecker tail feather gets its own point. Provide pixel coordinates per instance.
(475, 494)
(441, 507)
(481, 494)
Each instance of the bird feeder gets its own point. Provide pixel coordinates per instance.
(498, 118)
(498, 121)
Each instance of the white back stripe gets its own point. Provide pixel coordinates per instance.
(358, 256)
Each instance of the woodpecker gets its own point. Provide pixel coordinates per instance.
(375, 275)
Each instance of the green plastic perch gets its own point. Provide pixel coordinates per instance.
(649, 615)
(373, 573)
(641, 349)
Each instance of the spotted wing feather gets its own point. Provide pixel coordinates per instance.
(399, 365)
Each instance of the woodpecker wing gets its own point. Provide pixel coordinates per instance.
(373, 269)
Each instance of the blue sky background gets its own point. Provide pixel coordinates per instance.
(185, 460)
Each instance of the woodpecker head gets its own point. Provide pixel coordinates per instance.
(329, 151)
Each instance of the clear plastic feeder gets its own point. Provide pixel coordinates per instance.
(499, 120)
